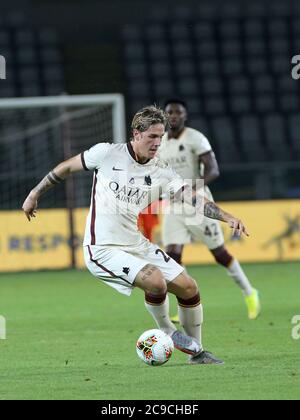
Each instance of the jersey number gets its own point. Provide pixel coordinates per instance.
(211, 232)
(166, 258)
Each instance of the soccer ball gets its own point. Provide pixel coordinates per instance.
(154, 347)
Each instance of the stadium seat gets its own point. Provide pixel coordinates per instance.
(206, 49)
(296, 25)
(232, 66)
(5, 38)
(289, 102)
(257, 65)
(53, 74)
(155, 32)
(24, 37)
(240, 104)
(200, 123)
(188, 86)
(204, 31)
(264, 102)
(277, 28)
(209, 66)
(182, 12)
(139, 88)
(131, 33)
(31, 89)
(137, 70)
(134, 51)
(250, 137)
(51, 55)
(161, 69)
(286, 84)
(229, 29)
(275, 136)
(215, 106)
(163, 88)
(182, 50)
(255, 9)
(194, 107)
(294, 132)
(179, 32)
(281, 64)
(185, 68)
(28, 74)
(206, 10)
(239, 84)
(254, 28)
(27, 55)
(212, 85)
(264, 84)
(255, 47)
(158, 51)
(279, 45)
(280, 8)
(223, 135)
(47, 37)
(8, 91)
(231, 47)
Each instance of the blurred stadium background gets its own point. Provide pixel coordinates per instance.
(231, 61)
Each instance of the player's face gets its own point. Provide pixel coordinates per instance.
(148, 142)
(177, 116)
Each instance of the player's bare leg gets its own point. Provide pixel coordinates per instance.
(235, 271)
(175, 252)
(190, 312)
(150, 279)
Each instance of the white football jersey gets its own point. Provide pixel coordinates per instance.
(122, 189)
(182, 155)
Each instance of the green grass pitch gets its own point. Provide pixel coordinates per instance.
(71, 337)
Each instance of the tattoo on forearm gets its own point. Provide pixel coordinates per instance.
(212, 211)
(47, 183)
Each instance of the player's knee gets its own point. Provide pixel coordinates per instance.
(189, 288)
(154, 280)
(222, 256)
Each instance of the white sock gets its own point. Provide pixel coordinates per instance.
(237, 273)
(160, 314)
(191, 320)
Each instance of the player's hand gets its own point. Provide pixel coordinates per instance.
(30, 206)
(237, 226)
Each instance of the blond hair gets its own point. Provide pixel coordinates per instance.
(148, 116)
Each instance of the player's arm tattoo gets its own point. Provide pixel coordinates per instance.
(47, 183)
(147, 272)
(212, 211)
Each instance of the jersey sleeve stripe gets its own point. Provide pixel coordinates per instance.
(93, 218)
(83, 162)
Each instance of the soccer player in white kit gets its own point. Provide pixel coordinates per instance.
(190, 154)
(127, 178)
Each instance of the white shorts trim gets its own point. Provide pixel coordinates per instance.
(118, 266)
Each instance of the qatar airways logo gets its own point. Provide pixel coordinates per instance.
(150, 195)
(128, 194)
